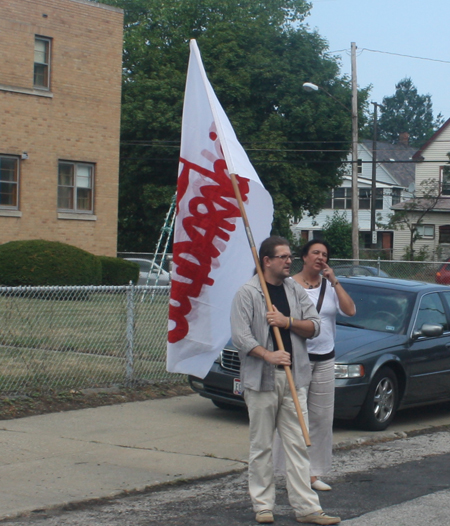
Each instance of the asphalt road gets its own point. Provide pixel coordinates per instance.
(404, 481)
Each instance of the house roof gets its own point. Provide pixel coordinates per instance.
(389, 155)
(418, 156)
(442, 205)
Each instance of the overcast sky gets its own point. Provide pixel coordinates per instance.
(416, 28)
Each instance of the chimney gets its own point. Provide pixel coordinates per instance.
(403, 138)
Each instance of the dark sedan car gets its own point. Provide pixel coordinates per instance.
(359, 270)
(394, 353)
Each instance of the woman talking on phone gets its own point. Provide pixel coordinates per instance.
(329, 296)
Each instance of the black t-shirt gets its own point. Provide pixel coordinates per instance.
(279, 299)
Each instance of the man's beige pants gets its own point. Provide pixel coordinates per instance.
(270, 410)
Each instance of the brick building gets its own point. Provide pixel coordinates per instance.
(60, 91)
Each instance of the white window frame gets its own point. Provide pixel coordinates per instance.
(445, 186)
(422, 229)
(7, 182)
(360, 166)
(46, 64)
(71, 189)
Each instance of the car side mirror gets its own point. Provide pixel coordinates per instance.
(430, 330)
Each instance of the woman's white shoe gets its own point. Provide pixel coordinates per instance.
(319, 485)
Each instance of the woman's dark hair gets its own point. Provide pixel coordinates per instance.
(268, 247)
(304, 250)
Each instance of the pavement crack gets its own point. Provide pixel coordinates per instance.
(157, 450)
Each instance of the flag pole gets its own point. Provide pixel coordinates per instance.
(276, 330)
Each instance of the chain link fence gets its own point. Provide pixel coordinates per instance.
(59, 338)
(412, 270)
(82, 337)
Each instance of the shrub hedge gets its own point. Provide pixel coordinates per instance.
(39, 263)
(116, 271)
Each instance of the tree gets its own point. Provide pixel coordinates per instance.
(413, 212)
(337, 231)
(407, 111)
(257, 56)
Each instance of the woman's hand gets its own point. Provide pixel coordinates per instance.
(328, 273)
(277, 319)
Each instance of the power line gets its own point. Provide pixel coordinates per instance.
(407, 56)
(391, 53)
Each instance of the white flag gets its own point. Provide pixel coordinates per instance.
(211, 254)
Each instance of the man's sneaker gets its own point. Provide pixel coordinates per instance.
(318, 517)
(264, 516)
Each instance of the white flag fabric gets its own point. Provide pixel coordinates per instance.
(211, 254)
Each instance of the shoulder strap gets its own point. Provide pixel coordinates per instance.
(321, 295)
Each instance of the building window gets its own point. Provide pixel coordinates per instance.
(329, 200)
(396, 196)
(342, 199)
(360, 171)
(425, 231)
(365, 199)
(41, 63)
(75, 187)
(444, 234)
(445, 180)
(9, 182)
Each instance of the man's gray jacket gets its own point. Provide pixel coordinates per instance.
(249, 328)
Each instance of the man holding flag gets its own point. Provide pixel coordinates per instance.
(217, 189)
(266, 390)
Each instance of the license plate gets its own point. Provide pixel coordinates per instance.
(237, 386)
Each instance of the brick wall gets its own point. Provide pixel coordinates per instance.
(78, 119)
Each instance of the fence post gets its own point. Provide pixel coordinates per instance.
(130, 334)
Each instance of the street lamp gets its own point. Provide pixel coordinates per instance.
(309, 86)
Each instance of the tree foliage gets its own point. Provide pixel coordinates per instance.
(407, 111)
(257, 56)
(337, 231)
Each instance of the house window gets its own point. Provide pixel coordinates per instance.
(425, 231)
(445, 180)
(444, 234)
(9, 182)
(75, 187)
(360, 166)
(41, 63)
(396, 196)
(342, 199)
(365, 199)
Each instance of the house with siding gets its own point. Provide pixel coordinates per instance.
(394, 183)
(60, 97)
(432, 163)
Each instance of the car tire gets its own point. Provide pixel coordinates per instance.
(381, 402)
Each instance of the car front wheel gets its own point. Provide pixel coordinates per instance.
(381, 402)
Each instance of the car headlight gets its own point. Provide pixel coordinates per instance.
(348, 371)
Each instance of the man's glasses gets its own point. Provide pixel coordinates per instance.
(284, 257)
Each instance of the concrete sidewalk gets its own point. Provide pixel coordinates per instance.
(68, 457)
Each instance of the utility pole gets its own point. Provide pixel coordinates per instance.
(373, 231)
(355, 190)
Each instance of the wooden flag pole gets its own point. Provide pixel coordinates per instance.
(276, 330)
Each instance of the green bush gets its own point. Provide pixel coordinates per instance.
(116, 271)
(39, 263)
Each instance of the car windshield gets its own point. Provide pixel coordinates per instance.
(379, 309)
